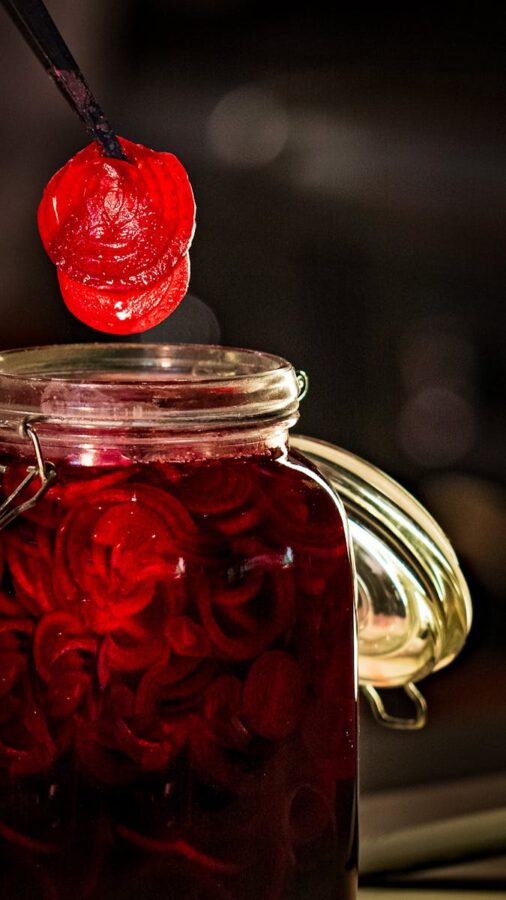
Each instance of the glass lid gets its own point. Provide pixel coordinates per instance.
(414, 607)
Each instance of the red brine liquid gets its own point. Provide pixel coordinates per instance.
(177, 685)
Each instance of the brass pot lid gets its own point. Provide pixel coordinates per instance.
(414, 606)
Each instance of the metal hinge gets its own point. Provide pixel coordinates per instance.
(44, 471)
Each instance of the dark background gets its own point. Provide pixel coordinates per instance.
(349, 170)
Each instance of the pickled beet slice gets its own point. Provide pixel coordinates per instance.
(217, 489)
(121, 523)
(178, 847)
(100, 762)
(309, 813)
(9, 606)
(131, 657)
(242, 592)
(136, 742)
(246, 520)
(67, 692)
(222, 707)
(175, 686)
(14, 636)
(26, 842)
(215, 764)
(32, 580)
(88, 487)
(311, 827)
(109, 555)
(59, 633)
(187, 638)
(118, 225)
(148, 754)
(177, 520)
(29, 539)
(10, 708)
(122, 731)
(26, 746)
(126, 311)
(12, 665)
(312, 529)
(261, 630)
(273, 697)
(21, 626)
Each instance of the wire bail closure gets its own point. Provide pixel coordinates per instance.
(45, 471)
(303, 382)
(398, 723)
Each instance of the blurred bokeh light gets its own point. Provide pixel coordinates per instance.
(437, 426)
(248, 127)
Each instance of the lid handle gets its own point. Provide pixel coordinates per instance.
(399, 723)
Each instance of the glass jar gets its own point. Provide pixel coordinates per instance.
(176, 635)
(177, 627)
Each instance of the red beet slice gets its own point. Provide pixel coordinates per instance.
(178, 847)
(58, 633)
(14, 635)
(66, 693)
(261, 630)
(15, 625)
(114, 224)
(310, 810)
(149, 755)
(176, 518)
(217, 489)
(273, 696)
(174, 686)
(132, 657)
(9, 606)
(240, 522)
(222, 707)
(187, 638)
(215, 764)
(127, 311)
(88, 487)
(311, 827)
(32, 579)
(12, 666)
(26, 842)
(110, 554)
(105, 766)
(26, 746)
(243, 592)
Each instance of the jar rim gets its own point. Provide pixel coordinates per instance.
(145, 385)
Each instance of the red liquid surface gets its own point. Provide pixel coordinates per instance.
(177, 712)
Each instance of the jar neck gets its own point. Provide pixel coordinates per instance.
(102, 404)
(130, 447)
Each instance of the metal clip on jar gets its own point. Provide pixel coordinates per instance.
(178, 626)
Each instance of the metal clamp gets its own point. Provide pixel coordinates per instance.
(45, 471)
(303, 382)
(397, 722)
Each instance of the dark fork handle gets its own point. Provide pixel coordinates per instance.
(39, 30)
